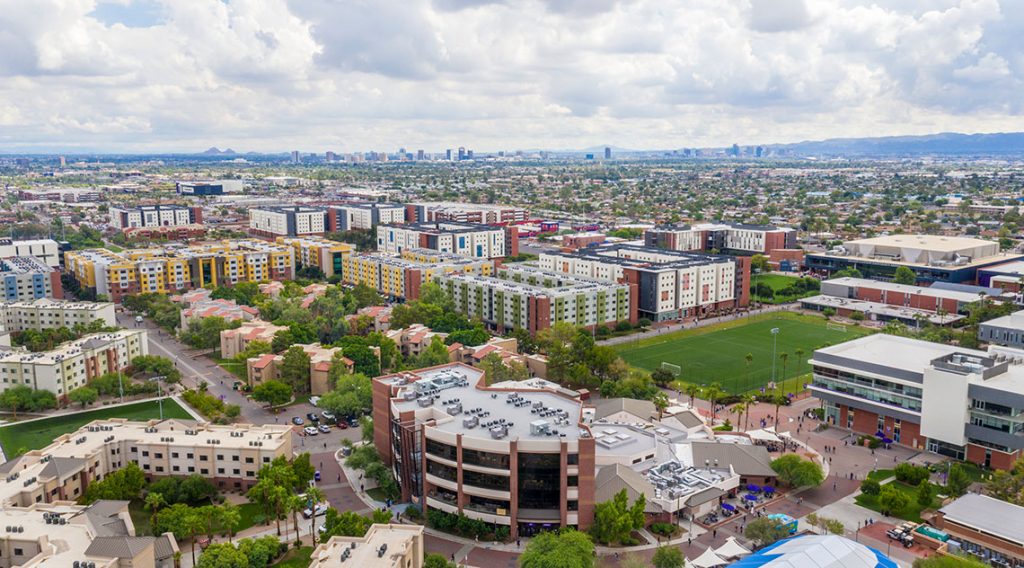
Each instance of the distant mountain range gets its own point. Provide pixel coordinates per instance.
(214, 151)
(946, 143)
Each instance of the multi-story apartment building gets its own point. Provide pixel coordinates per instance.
(403, 276)
(464, 239)
(534, 299)
(46, 314)
(234, 341)
(287, 221)
(268, 367)
(102, 534)
(229, 456)
(932, 258)
(27, 278)
(465, 213)
(528, 455)
(722, 237)
(329, 256)
(72, 364)
(363, 216)
(178, 268)
(386, 546)
(668, 285)
(961, 403)
(46, 250)
(160, 215)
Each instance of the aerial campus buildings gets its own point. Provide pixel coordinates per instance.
(26, 278)
(962, 403)
(464, 239)
(666, 285)
(531, 455)
(931, 258)
(174, 268)
(731, 238)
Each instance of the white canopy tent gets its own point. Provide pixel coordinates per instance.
(708, 559)
(731, 549)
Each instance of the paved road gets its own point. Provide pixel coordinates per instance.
(195, 367)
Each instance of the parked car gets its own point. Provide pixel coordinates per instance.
(903, 533)
(314, 400)
(297, 421)
(343, 425)
(313, 417)
(311, 431)
(316, 475)
(324, 428)
(319, 510)
(327, 415)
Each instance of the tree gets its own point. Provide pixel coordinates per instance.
(904, 275)
(759, 263)
(364, 361)
(282, 340)
(693, 391)
(433, 560)
(155, 365)
(565, 548)
(352, 396)
(435, 354)
(713, 393)
(925, 493)
(795, 471)
(892, 500)
(295, 369)
(274, 393)
(778, 400)
(615, 519)
(784, 357)
(957, 481)
(222, 555)
(870, 487)
(497, 369)
(765, 531)
(153, 503)
(83, 395)
(294, 505)
(949, 561)
(668, 557)
(230, 517)
(348, 523)
(799, 352)
(121, 485)
(253, 349)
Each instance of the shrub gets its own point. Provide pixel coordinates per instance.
(870, 487)
(874, 443)
(911, 474)
(663, 529)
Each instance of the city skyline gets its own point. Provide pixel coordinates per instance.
(143, 76)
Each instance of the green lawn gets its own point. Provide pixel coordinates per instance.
(24, 436)
(234, 367)
(251, 515)
(778, 282)
(911, 513)
(295, 558)
(717, 353)
(881, 475)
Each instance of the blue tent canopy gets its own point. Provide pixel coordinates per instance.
(750, 497)
(728, 507)
(752, 487)
(769, 489)
(827, 551)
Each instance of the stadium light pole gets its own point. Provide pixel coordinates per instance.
(775, 338)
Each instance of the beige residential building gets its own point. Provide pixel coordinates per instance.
(268, 367)
(413, 340)
(234, 341)
(229, 456)
(383, 546)
(45, 313)
(62, 534)
(72, 364)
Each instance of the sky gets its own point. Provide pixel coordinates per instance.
(353, 75)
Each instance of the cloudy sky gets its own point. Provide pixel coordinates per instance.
(346, 75)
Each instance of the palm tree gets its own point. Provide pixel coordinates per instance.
(784, 357)
(315, 496)
(746, 400)
(738, 411)
(194, 524)
(230, 516)
(295, 504)
(153, 503)
(778, 400)
(799, 352)
(661, 403)
(693, 391)
(713, 393)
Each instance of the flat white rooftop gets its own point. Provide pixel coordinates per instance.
(902, 353)
(887, 310)
(928, 242)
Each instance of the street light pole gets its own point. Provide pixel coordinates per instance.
(160, 393)
(775, 337)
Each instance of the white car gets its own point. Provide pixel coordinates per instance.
(138, 319)
(314, 400)
(311, 430)
(318, 511)
(327, 415)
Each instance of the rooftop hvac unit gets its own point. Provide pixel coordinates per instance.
(409, 395)
(540, 427)
(454, 409)
(470, 422)
(498, 432)
(425, 402)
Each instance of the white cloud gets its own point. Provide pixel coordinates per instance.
(500, 74)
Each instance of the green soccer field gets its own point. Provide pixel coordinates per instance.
(718, 353)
